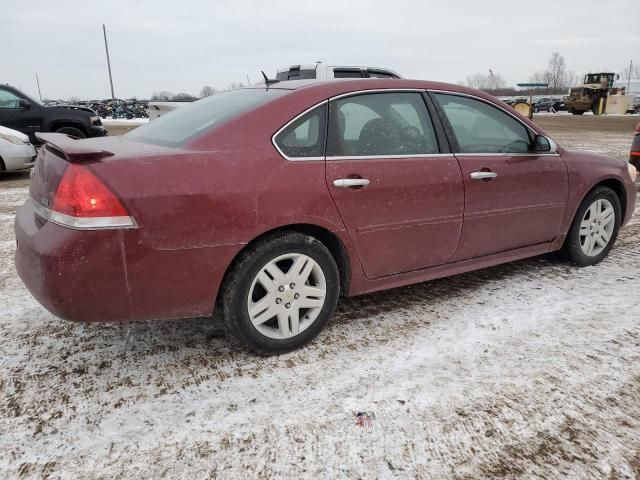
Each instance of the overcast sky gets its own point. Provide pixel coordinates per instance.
(218, 42)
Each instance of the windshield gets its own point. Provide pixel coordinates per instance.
(180, 125)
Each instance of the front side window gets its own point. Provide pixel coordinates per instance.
(304, 138)
(482, 128)
(8, 100)
(380, 124)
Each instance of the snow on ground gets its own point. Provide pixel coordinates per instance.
(527, 370)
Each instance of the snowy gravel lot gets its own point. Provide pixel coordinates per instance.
(527, 370)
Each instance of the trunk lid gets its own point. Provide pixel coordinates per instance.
(59, 150)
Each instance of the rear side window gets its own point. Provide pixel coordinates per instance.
(304, 138)
(482, 128)
(182, 124)
(380, 74)
(380, 124)
(347, 73)
(296, 74)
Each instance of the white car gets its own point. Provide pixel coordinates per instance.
(320, 71)
(16, 151)
(314, 71)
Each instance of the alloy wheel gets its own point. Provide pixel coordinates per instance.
(597, 227)
(286, 296)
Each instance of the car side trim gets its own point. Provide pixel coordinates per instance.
(385, 157)
(84, 223)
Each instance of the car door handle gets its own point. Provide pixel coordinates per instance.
(350, 182)
(483, 175)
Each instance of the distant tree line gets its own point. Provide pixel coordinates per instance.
(556, 75)
(206, 91)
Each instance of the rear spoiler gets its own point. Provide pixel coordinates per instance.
(71, 149)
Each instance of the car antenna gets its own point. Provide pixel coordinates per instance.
(268, 81)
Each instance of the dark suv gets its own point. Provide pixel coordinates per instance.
(22, 113)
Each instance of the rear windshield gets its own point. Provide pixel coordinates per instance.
(182, 124)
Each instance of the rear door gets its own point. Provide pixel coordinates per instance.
(399, 194)
(513, 197)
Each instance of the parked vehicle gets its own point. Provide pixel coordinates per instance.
(551, 105)
(585, 97)
(16, 151)
(543, 105)
(266, 204)
(634, 155)
(21, 112)
(320, 71)
(316, 71)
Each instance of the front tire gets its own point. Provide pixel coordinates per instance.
(594, 229)
(281, 293)
(73, 131)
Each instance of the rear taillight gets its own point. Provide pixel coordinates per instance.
(83, 201)
(81, 194)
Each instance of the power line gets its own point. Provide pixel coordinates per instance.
(177, 19)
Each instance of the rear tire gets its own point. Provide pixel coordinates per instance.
(271, 309)
(594, 229)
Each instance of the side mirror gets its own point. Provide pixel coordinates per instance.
(24, 104)
(541, 144)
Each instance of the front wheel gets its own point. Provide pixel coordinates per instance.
(72, 131)
(595, 228)
(281, 293)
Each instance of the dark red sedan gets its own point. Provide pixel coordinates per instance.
(268, 203)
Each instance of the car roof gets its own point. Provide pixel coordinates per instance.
(345, 85)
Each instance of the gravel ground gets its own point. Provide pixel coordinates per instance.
(527, 370)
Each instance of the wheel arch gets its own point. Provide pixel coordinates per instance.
(68, 123)
(618, 187)
(329, 239)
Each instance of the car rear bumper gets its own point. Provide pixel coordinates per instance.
(18, 157)
(106, 275)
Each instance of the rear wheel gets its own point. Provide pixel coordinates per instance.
(281, 293)
(595, 228)
(73, 131)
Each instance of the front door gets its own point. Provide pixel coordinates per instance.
(401, 200)
(513, 196)
(13, 115)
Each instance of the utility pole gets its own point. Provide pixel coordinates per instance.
(106, 48)
(38, 82)
(629, 76)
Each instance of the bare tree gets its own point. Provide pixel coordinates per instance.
(556, 71)
(480, 81)
(207, 91)
(571, 79)
(235, 85)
